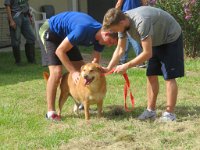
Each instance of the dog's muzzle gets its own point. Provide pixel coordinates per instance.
(87, 80)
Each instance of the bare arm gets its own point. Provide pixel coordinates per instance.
(10, 19)
(145, 55)
(119, 4)
(96, 57)
(119, 51)
(64, 47)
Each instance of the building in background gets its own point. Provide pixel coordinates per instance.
(95, 8)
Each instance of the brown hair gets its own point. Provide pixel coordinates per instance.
(113, 35)
(112, 17)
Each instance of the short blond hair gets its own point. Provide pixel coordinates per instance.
(112, 17)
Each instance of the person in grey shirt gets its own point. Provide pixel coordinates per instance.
(19, 21)
(161, 38)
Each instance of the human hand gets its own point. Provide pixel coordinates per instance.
(104, 69)
(13, 24)
(76, 76)
(121, 69)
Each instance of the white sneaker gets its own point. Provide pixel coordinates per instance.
(166, 116)
(147, 115)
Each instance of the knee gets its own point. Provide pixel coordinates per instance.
(152, 79)
(56, 75)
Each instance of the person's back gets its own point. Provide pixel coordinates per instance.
(155, 22)
(78, 27)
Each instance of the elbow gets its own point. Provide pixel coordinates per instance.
(58, 53)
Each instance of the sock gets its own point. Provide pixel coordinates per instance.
(50, 113)
(168, 113)
(150, 110)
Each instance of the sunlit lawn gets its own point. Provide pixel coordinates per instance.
(23, 107)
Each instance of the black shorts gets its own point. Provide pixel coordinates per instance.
(167, 60)
(48, 53)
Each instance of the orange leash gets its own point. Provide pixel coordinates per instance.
(126, 89)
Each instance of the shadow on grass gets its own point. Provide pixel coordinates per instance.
(118, 113)
(112, 112)
(183, 113)
(13, 74)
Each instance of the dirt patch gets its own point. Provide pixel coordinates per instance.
(88, 144)
(192, 74)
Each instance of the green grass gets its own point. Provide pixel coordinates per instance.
(23, 107)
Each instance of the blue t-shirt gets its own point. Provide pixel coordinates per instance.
(130, 4)
(78, 27)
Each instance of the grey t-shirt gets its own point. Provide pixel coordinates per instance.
(154, 22)
(17, 6)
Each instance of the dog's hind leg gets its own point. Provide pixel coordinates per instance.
(99, 108)
(62, 100)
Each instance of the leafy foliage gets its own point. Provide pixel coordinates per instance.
(187, 13)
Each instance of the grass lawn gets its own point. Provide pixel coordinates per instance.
(23, 108)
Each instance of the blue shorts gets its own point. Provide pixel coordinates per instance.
(167, 60)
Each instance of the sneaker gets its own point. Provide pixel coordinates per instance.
(147, 115)
(166, 116)
(54, 117)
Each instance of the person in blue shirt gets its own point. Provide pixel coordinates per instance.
(61, 35)
(125, 5)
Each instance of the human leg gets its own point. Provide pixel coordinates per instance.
(50, 59)
(171, 92)
(30, 52)
(16, 40)
(28, 33)
(152, 92)
(152, 72)
(172, 66)
(52, 84)
(51, 89)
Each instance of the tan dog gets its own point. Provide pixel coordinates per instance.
(90, 89)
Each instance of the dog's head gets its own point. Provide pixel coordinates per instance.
(90, 72)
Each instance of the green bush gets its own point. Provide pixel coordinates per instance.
(187, 13)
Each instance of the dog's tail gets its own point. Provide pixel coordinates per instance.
(45, 76)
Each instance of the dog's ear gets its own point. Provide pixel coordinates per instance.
(99, 68)
(82, 67)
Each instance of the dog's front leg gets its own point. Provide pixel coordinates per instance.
(86, 108)
(99, 108)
